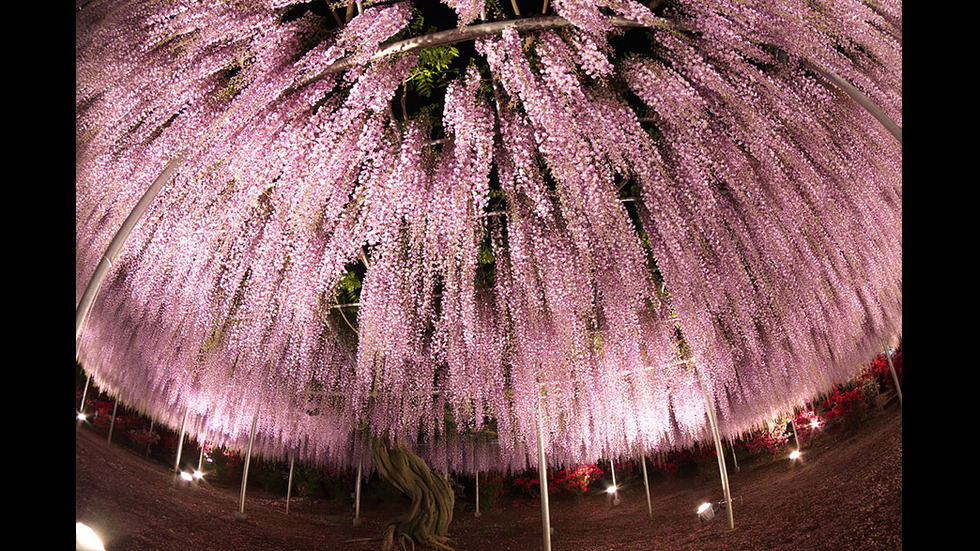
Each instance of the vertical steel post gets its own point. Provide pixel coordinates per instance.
(543, 479)
(612, 468)
(112, 422)
(248, 457)
(81, 407)
(357, 492)
(734, 458)
(289, 485)
(646, 486)
(477, 514)
(720, 452)
(152, 423)
(180, 445)
(891, 367)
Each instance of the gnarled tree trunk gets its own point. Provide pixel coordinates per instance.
(427, 522)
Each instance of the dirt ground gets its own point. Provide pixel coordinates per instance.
(845, 494)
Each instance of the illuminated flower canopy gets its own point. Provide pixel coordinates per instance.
(608, 216)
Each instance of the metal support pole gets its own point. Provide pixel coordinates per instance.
(891, 367)
(357, 494)
(612, 468)
(152, 422)
(477, 514)
(289, 485)
(543, 479)
(112, 422)
(734, 458)
(88, 297)
(710, 408)
(180, 445)
(792, 423)
(200, 460)
(81, 407)
(240, 515)
(646, 486)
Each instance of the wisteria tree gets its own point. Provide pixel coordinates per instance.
(375, 230)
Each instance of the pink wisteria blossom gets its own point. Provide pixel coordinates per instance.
(583, 238)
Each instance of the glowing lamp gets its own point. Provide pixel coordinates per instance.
(81, 416)
(611, 490)
(795, 454)
(186, 476)
(706, 512)
(87, 539)
(198, 475)
(815, 424)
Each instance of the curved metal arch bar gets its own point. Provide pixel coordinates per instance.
(95, 283)
(473, 32)
(464, 34)
(857, 96)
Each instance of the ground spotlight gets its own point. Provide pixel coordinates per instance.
(81, 416)
(706, 512)
(198, 475)
(611, 490)
(185, 476)
(87, 539)
(794, 455)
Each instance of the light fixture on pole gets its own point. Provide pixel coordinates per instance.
(706, 512)
(87, 539)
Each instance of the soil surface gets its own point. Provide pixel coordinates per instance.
(845, 493)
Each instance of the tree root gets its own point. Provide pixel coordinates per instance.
(431, 511)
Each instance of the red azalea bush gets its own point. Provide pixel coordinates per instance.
(667, 464)
(882, 372)
(767, 440)
(807, 424)
(143, 437)
(491, 488)
(846, 406)
(707, 461)
(574, 480)
(677, 463)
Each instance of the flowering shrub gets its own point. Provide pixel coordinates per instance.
(143, 437)
(846, 406)
(491, 488)
(770, 439)
(880, 370)
(571, 480)
(575, 479)
(675, 463)
(667, 467)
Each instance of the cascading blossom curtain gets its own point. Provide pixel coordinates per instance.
(598, 236)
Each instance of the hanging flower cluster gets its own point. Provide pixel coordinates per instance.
(598, 247)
